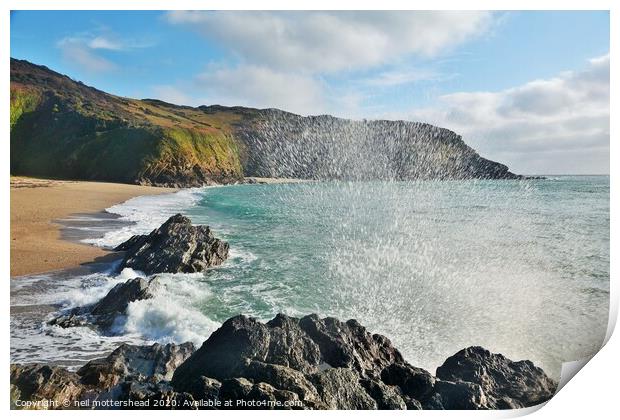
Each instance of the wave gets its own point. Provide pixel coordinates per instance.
(146, 213)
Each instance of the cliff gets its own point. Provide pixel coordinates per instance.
(61, 128)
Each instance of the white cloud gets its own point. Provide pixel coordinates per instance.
(282, 59)
(103, 43)
(84, 49)
(333, 41)
(261, 87)
(77, 52)
(399, 77)
(558, 125)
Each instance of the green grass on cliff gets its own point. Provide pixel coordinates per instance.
(61, 128)
(22, 101)
(214, 151)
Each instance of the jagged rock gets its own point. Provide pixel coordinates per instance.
(174, 247)
(290, 345)
(290, 363)
(240, 393)
(223, 354)
(114, 303)
(340, 388)
(69, 321)
(460, 396)
(349, 344)
(387, 397)
(506, 384)
(156, 362)
(47, 386)
(306, 355)
(121, 295)
(155, 396)
(205, 389)
(282, 377)
(235, 389)
(413, 382)
(305, 345)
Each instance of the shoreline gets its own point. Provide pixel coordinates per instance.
(45, 213)
(38, 207)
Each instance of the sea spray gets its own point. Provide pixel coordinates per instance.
(520, 267)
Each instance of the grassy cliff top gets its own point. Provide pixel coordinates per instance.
(91, 102)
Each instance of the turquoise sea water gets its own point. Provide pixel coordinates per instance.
(519, 267)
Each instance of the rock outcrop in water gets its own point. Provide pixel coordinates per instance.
(307, 363)
(61, 128)
(103, 313)
(175, 247)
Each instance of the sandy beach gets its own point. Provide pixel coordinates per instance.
(36, 243)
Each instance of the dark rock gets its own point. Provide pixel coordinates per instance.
(174, 247)
(235, 389)
(290, 345)
(387, 397)
(306, 345)
(507, 384)
(155, 396)
(206, 389)
(103, 313)
(308, 363)
(121, 295)
(155, 363)
(282, 377)
(332, 364)
(223, 355)
(134, 241)
(412, 403)
(413, 382)
(69, 321)
(340, 389)
(349, 344)
(240, 393)
(48, 385)
(460, 396)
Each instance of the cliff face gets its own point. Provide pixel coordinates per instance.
(282, 144)
(61, 128)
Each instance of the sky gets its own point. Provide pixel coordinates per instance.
(528, 89)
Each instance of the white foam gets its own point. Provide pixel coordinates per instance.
(172, 315)
(146, 213)
(244, 256)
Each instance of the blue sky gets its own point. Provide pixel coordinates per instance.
(468, 71)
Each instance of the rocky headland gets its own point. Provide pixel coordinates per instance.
(63, 129)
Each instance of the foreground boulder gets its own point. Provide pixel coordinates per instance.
(506, 384)
(307, 345)
(139, 363)
(175, 247)
(290, 363)
(36, 386)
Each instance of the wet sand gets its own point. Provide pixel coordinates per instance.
(37, 243)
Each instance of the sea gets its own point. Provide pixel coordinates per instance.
(520, 267)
